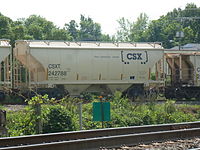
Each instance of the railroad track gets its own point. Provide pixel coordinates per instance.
(189, 102)
(94, 139)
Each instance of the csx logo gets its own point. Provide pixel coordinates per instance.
(53, 66)
(134, 56)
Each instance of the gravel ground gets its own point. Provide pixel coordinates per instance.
(169, 145)
(14, 107)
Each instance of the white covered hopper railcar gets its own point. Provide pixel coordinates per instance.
(88, 66)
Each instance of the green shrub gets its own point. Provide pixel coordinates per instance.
(21, 122)
(170, 107)
(57, 119)
(64, 116)
(182, 117)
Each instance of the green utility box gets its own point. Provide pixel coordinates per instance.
(101, 111)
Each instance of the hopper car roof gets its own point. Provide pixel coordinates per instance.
(181, 51)
(173, 55)
(189, 46)
(4, 43)
(90, 45)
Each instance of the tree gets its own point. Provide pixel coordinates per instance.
(86, 30)
(72, 28)
(123, 32)
(130, 31)
(5, 27)
(105, 38)
(164, 29)
(61, 34)
(39, 27)
(89, 30)
(138, 28)
(192, 20)
(19, 32)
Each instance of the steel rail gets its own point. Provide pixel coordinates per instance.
(112, 141)
(66, 136)
(189, 102)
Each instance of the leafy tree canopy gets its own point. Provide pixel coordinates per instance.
(86, 30)
(163, 30)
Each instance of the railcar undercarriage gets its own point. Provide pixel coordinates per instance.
(187, 92)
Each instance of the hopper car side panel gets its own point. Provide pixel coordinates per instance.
(195, 59)
(93, 65)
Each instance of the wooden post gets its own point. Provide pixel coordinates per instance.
(38, 120)
(80, 115)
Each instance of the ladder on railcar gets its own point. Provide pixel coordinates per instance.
(6, 73)
(19, 75)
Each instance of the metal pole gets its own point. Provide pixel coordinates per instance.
(173, 71)
(4, 74)
(80, 115)
(195, 71)
(180, 69)
(102, 111)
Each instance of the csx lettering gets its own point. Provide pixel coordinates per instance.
(134, 56)
(53, 66)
